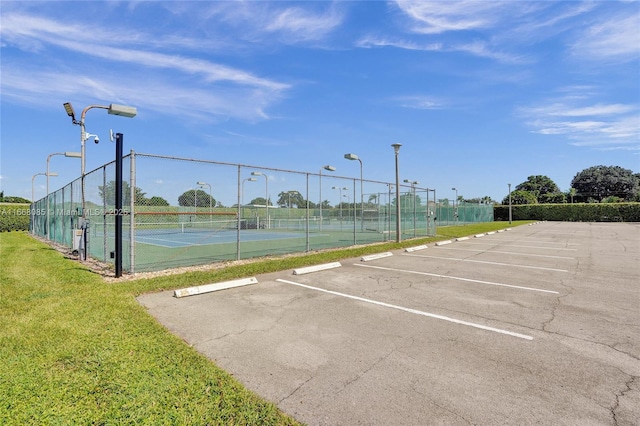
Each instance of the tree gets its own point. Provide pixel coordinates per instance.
(484, 200)
(406, 201)
(600, 182)
(290, 199)
(539, 186)
(553, 198)
(13, 199)
(156, 201)
(196, 198)
(260, 201)
(108, 193)
(520, 197)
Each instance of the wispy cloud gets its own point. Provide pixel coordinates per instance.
(597, 125)
(615, 38)
(420, 102)
(217, 90)
(563, 110)
(379, 41)
(262, 22)
(303, 24)
(474, 48)
(499, 29)
(42, 31)
(435, 17)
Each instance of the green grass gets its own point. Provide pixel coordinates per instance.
(76, 350)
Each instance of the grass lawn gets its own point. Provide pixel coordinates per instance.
(77, 350)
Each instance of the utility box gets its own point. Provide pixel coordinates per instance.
(77, 240)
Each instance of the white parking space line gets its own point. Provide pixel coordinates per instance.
(509, 252)
(470, 280)
(409, 310)
(488, 263)
(517, 245)
(539, 241)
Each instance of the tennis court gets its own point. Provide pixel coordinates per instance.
(538, 325)
(293, 212)
(186, 239)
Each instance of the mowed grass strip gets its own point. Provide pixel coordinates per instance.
(76, 350)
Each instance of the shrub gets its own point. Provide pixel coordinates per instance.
(14, 217)
(590, 212)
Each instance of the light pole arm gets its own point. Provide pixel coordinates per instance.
(83, 135)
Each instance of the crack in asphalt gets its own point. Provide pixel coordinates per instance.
(616, 404)
(440, 406)
(295, 390)
(364, 372)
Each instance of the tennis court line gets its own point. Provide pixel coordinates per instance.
(510, 252)
(488, 263)
(410, 310)
(457, 278)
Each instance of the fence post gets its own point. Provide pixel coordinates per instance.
(308, 223)
(118, 209)
(132, 205)
(239, 225)
(355, 210)
(105, 249)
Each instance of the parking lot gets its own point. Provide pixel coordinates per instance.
(536, 325)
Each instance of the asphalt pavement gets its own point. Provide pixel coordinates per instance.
(536, 325)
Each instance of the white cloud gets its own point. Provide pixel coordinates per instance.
(375, 41)
(420, 102)
(434, 17)
(484, 50)
(614, 126)
(194, 87)
(303, 24)
(165, 96)
(564, 110)
(42, 31)
(615, 38)
(261, 21)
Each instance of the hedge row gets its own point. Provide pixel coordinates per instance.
(14, 217)
(591, 212)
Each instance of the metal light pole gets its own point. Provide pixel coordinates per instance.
(289, 209)
(32, 181)
(396, 148)
(66, 154)
(266, 195)
(331, 169)
(354, 157)
(340, 203)
(413, 190)
(203, 184)
(243, 181)
(455, 210)
(33, 178)
(113, 109)
(510, 203)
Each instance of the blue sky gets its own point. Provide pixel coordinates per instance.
(480, 94)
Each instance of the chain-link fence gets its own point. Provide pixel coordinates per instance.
(184, 212)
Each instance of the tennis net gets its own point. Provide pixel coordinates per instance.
(189, 226)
